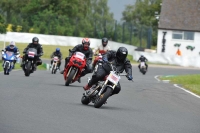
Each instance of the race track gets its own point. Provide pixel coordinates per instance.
(42, 104)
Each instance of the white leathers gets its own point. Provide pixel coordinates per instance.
(101, 49)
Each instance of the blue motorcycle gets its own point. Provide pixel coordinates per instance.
(8, 61)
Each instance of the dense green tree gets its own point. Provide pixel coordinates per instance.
(142, 14)
(2, 25)
(90, 18)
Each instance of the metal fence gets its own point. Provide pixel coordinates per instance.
(128, 33)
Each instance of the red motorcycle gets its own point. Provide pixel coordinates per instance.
(98, 57)
(74, 68)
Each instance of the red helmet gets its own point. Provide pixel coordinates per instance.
(86, 43)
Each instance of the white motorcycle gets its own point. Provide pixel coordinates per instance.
(103, 89)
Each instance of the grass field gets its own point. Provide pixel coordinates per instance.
(49, 49)
(189, 82)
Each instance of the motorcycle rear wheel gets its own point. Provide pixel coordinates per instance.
(102, 99)
(143, 71)
(70, 76)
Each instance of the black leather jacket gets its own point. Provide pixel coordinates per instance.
(88, 53)
(36, 46)
(142, 59)
(121, 66)
(57, 54)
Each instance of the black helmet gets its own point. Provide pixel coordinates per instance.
(35, 39)
(104, 41)
(121, 54)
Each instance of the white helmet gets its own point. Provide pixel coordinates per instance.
(12, 45)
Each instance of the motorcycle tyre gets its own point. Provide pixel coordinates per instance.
(52, 70)
(6, 69)
(99, 102)
(28, 69)
(69, 79)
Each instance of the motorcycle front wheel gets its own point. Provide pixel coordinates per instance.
(28, 69)
(6, 68)
(70, 77)
(103, 98)
(52, 70)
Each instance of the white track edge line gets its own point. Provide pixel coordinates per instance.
(186, 91)
(156, 77)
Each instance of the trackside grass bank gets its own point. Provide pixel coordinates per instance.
(189, 82)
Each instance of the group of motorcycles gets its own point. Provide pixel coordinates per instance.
(29, 65)
(101, 91)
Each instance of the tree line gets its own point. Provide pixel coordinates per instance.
(82, 18)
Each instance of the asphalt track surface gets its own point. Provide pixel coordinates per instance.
(42, 104)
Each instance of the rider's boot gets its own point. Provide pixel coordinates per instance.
(62, 71)
(79, 80)
(87, 87)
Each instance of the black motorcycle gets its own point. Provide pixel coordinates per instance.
(29, 65)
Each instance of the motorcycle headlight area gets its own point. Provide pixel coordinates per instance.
(12, 58)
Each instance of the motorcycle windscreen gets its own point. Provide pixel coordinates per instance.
(31, 52)
(80, 55)
(113, 78)
(9, 55)
(55, 58)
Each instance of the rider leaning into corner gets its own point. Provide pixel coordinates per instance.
(12, 48)
(87, 51)
(101, 49)
(143, 59)
(119, 60)
(35, 44)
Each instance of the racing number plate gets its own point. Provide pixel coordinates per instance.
(80, 55)
(31, 54)
(55, 58)
(113, 78)
(142, 64)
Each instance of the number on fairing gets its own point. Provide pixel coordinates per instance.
(80, 55)
(142, 64)
(55, 58)
(113, 78)
(31, 54)
(9, 53)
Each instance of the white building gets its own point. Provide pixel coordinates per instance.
(180, 22)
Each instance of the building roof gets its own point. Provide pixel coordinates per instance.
(180, 15)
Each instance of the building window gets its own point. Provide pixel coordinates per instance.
(183, 35)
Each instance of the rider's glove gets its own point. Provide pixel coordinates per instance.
(130, 77)
(105, 59)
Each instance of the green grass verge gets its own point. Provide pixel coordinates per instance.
(49, 49)
(189, 82)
